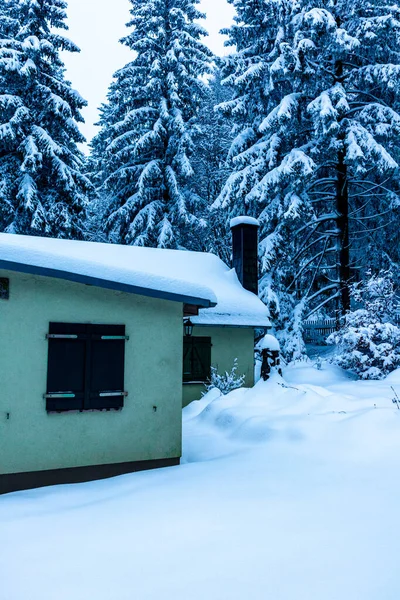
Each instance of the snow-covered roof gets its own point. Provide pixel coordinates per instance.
(244, 221)
(236, 307)
(142, 271)
(190, 277)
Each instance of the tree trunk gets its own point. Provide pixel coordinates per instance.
(342, 221)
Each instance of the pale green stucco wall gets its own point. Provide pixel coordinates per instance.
(33, 440)
(228, 343)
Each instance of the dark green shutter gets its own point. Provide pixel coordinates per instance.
(66, 374)
(107, 358)
(85, 367)
(196, 358)
(187, 359)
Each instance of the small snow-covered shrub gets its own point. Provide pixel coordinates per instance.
(369, 341)
(226, 382)
(289, 331)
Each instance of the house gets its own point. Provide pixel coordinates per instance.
(225, 332)
(91, 353)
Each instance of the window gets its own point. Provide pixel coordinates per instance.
(4, 288)
(85, 368)
(196, 358)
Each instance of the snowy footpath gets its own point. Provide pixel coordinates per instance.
(288, 491)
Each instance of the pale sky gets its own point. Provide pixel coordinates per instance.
(96, 26)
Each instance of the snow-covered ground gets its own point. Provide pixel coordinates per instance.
(289, 491)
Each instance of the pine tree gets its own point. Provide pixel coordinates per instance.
(143, 150)
(42, 190)
(316, 152)
(8, 18)
(212, 143)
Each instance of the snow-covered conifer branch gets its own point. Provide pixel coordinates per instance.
(145, 146)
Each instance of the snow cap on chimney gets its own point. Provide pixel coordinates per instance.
(244, 221)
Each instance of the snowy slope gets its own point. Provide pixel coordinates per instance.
(288, 491)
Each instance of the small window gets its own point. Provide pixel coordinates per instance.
(4, 288)
(196, 359)
(85, 368)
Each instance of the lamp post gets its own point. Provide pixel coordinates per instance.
(188, 327)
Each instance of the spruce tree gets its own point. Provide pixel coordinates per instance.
(212, 143)
(142, 153)
(42, 189)
(316, 152)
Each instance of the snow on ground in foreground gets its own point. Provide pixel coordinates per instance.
(289, 491)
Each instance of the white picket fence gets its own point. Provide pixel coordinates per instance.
(317, 330)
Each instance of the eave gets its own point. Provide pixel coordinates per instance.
(104, 283)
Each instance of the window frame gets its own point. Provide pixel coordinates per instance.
(205, 343)
(89, 339)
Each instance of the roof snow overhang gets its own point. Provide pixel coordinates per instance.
(104, 283)
(211, 318)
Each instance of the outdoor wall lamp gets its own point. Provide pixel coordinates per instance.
(188, 327)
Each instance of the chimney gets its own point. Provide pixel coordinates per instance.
(245, 251)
